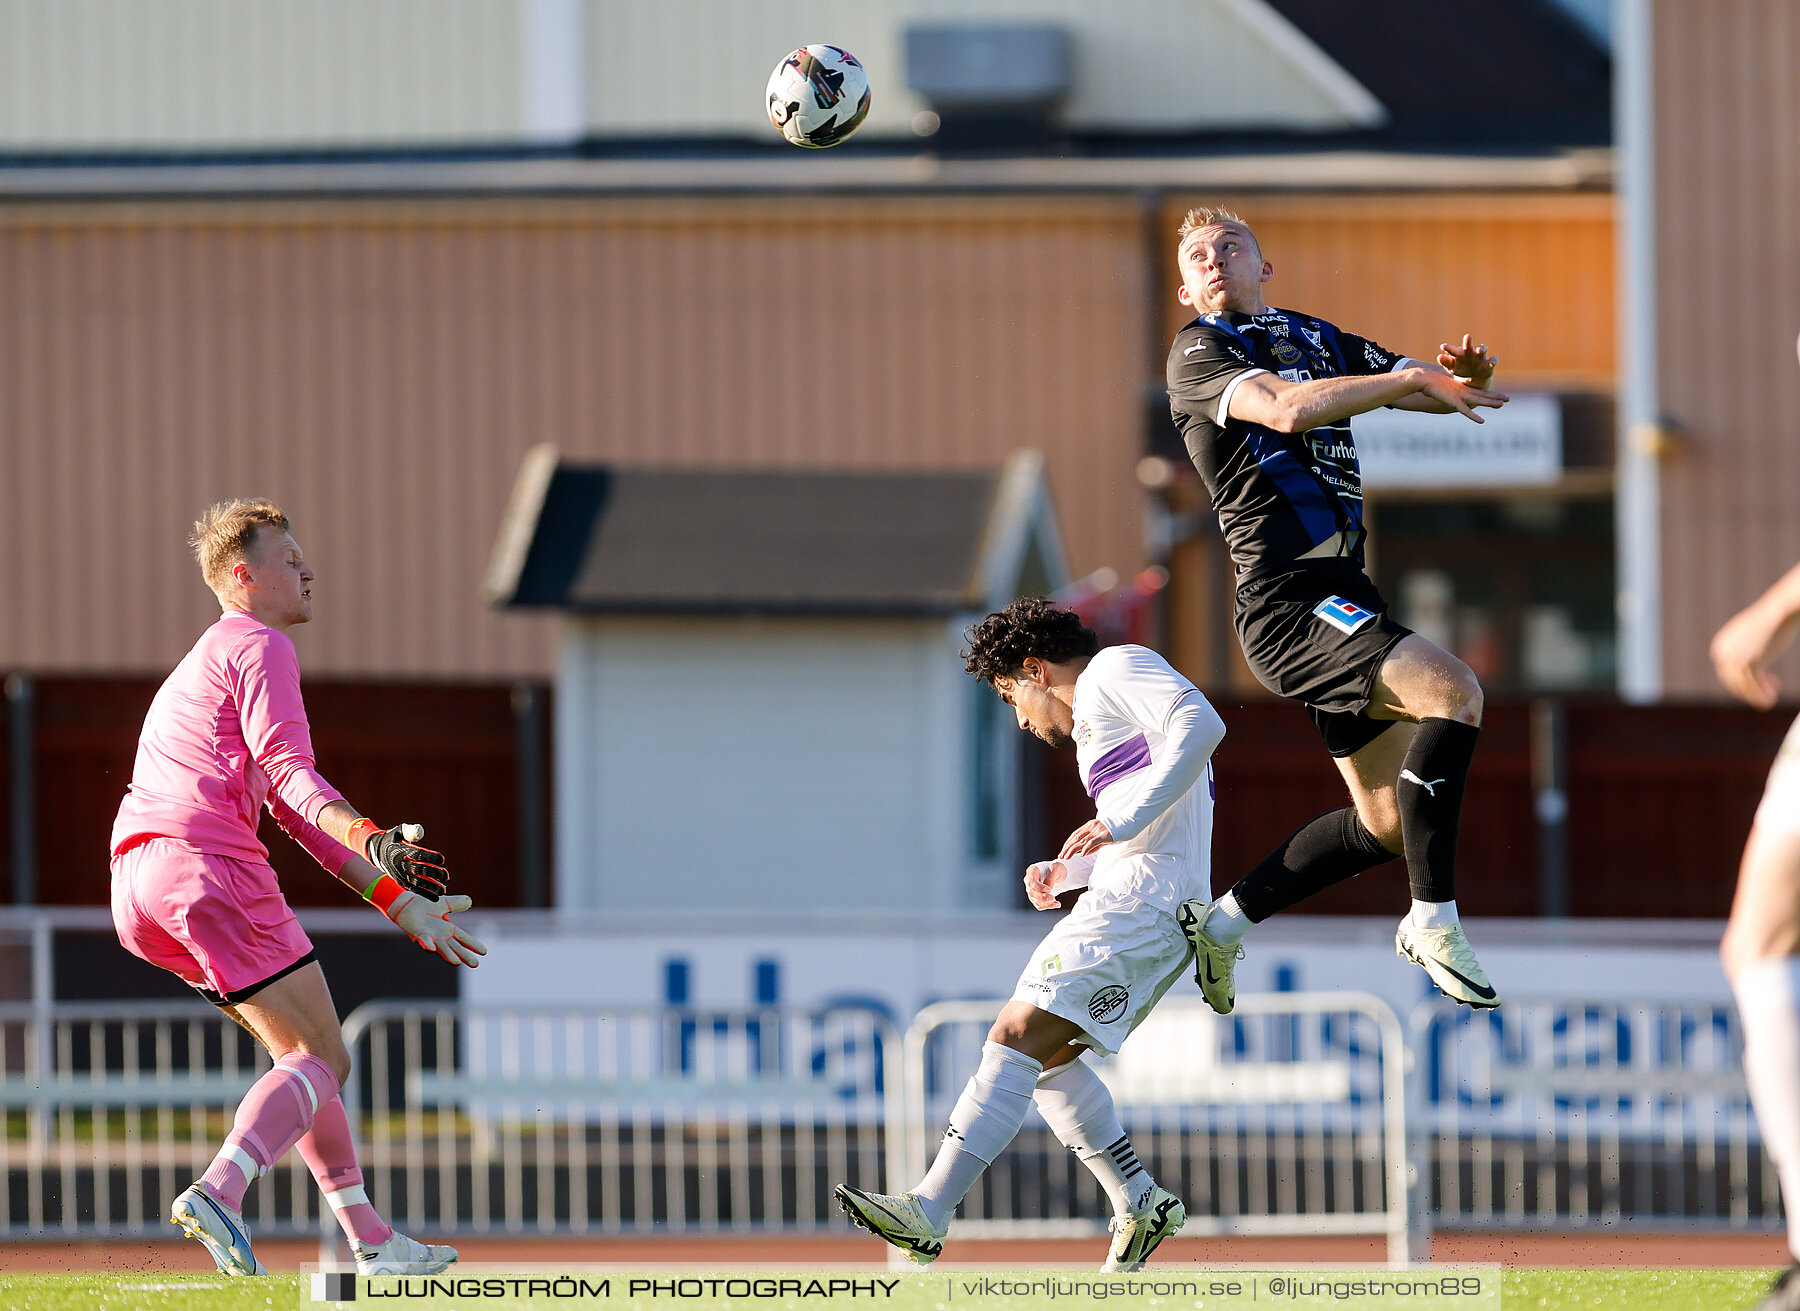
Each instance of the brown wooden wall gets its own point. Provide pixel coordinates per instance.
(1727, 172)
(443, 755)
(379, 367)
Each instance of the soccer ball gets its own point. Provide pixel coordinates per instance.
(818, 96)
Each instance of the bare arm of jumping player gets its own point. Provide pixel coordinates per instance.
(1271, 401)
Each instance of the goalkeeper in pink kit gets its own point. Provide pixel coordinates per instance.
(192, 890)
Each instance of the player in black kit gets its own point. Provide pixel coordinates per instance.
(1264, 398)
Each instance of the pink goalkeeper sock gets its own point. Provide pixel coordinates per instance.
(277, 1110)
(330, 1153)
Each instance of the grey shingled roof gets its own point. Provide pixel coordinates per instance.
(605, 540)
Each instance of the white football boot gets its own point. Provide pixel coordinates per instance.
(401, 1255)
(896, 1218)
(220, 1229)
(1215, 962)
(1137, 1232)
(1446, 956)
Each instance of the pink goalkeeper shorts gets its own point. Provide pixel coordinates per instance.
(219, 923)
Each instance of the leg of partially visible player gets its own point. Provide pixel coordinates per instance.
(1761, 955)
(1761, 948)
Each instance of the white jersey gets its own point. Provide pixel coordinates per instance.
(1125, 701)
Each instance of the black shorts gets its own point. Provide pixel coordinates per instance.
(1318, 635)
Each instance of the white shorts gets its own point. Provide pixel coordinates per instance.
(1779, 811)
(1104, 965)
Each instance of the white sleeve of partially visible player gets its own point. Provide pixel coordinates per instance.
(1157, 699)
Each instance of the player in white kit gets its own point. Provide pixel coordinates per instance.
(1761, 948)
(1144, 738)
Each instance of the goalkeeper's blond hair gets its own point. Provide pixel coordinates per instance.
(223, 536)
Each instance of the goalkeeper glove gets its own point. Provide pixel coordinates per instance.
(396, 851)
(427, 920)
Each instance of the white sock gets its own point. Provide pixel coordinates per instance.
(985, 1119)
(1766, 995)
(1079, 1110)
(1432, 914)
(1227, 923)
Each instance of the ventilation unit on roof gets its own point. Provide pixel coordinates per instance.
(993, 85)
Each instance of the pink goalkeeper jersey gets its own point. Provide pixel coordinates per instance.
(226, 733)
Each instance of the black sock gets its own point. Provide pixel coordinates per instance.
(1325, 850)
(1429, 795)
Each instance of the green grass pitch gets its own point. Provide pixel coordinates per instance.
(1521, 1290)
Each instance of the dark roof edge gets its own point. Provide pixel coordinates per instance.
(759, 608)
(518, 524)
(1367, 168)
(1019, 515)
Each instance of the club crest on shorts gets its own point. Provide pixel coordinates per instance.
(1108, 1004)
(1345, 616)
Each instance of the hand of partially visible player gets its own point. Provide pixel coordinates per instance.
(1461, 396)
(427, 922)
(1741, 650)
(1468, 361)
(1041, 881)
(1086, 840)
(397, 851)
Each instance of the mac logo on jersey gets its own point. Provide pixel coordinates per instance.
(1345, 616)
(1108, 1004)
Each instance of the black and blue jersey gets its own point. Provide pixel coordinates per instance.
(1281, 498)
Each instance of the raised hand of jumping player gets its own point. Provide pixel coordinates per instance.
(1469, 362)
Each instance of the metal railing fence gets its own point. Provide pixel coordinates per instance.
(1565, 1113)
(111, 1109)
(584, 1120)
(1285, 1117)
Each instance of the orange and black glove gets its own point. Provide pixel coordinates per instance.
(396, 851)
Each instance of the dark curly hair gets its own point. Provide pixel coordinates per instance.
(1031, 626)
